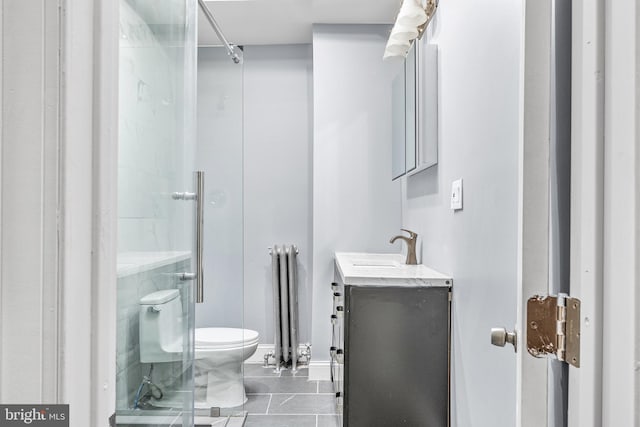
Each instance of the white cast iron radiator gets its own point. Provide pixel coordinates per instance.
(284, 277)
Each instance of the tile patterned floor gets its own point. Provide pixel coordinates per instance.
(219, 422)
(286, 399)
(275, 399)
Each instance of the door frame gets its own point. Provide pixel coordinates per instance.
(621, 225)
(59, 204)
(605, 237)
(587, 207)
(87, 224)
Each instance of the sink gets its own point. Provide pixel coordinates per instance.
(359, 268)
(369, 263)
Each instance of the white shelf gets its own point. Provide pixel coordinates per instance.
(130, 263)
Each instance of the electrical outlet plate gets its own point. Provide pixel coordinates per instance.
(456, 194)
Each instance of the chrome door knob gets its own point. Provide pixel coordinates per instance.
(500, 337)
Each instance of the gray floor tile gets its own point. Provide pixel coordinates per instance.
(236, 422)
(325, 387)
(258, 370)
(280, 385)
(328, 421)
(257, 403)
(210, 422)
(302, 404)
(280, 421)
(301, 372)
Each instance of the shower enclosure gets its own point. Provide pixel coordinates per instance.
(156, 227)
(160, 147)
(220, 156)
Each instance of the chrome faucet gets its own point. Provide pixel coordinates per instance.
(411, 246)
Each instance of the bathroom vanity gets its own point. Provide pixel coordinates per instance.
(390, 350)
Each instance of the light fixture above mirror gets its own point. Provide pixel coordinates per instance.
(412, 20)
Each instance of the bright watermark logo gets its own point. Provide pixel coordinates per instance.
(34, 415)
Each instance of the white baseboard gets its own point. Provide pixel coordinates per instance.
(320, 370)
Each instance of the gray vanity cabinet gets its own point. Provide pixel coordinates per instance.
(391, 360)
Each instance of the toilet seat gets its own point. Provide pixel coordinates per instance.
(224, 338)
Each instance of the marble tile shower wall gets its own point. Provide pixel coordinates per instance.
(129, 370)
(149, 122)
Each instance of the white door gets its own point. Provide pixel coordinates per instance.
(544, 201)
(533, 405)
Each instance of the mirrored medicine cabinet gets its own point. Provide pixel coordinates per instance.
(415, 111)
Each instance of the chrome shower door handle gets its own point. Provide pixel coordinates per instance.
(198, 197)
(199, 175)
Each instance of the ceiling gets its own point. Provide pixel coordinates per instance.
(255, 22)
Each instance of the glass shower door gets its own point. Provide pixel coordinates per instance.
(157, 256)
(220, 155)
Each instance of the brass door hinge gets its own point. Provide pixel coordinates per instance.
(553, 327)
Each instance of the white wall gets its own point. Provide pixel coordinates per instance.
(479, 72)
(356, 206)
(278, 85)
(29, 350)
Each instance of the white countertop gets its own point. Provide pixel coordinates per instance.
(386, 270)
(130, 263)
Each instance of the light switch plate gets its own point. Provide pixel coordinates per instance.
(456, 194)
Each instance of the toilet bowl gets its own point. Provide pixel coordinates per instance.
(219, 354)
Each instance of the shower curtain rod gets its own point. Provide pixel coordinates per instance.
(207, 13)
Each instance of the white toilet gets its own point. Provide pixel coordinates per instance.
(218, 369)
(219, 352)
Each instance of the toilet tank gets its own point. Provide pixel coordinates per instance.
(161, 327)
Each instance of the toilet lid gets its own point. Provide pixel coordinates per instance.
(224, 337)
(159, 297)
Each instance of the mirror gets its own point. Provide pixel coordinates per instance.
(415, 111)
(410, 109)
(403, 119)
(427, 106)
(398, 149)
